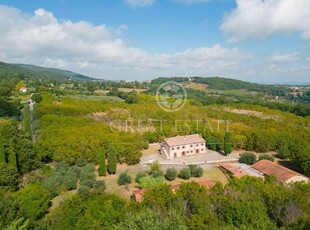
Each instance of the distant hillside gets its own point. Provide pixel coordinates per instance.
(219, 83)
(31, 71)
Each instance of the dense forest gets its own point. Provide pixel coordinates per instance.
(49, 154)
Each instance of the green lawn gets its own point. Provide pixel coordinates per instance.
(114, 188)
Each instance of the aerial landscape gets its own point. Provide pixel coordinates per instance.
(150, 114)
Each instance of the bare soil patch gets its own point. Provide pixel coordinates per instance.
(128, 90)
(197, 86)
(251, 113)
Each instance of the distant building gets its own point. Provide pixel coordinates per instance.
(182, 146)
(282, 174)
(23, 89)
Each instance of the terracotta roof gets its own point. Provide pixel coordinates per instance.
(138, 194)
(184, 140)
(270, 168)
(237, 172)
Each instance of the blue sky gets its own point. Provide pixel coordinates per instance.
(254, 40)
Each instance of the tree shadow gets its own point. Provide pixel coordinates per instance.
(290, 165)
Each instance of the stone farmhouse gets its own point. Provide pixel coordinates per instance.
(182, 146)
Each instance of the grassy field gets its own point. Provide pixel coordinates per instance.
(128, 90)
(126, 192)
(97, 98)
(196, 86)
(153, 148)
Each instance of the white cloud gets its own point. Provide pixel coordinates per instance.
(99, 51)
(140, 3)
(285, 57)
(258, 19)
(191, 1)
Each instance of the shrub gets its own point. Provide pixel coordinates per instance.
(247, 158)
(185, 173)
(192, 167)
(266, 157)
(283, 152)
(88, 183)
(87, 173)
(124, 178)
(52, 185)
(146, 144)
(75, 170)
(140, 175)
(81, 162)
(83, 189)
(157, 173)
(171, 174)
(70, 180)
(155, 166)
(197, 172)
(151, 182)
(36, 97)
(33, 202)
(99, 184)
(61, 167)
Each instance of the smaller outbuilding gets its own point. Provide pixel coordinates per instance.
(232, 170)
(282, 174)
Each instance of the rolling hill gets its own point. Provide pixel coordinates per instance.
(30, 71)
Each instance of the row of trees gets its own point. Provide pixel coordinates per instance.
(247, 203)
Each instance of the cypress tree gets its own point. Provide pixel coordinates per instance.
(102, 163)
(227, 143)
(26, 127)
(2, 153)
(12, 159)
(112, 160)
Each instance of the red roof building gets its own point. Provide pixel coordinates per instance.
(282, 174)
(233, 170)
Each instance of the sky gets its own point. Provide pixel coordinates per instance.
(264, 41)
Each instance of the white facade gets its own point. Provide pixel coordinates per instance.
(297, 179)
(23, 90)
(182, 146)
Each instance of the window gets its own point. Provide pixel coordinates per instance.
(178, 147)
(172, 148)
(183, 147)
(183, 153)
(191, 151)
(197, 144)
(202, 150)
(202, 143)
(191, 145)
